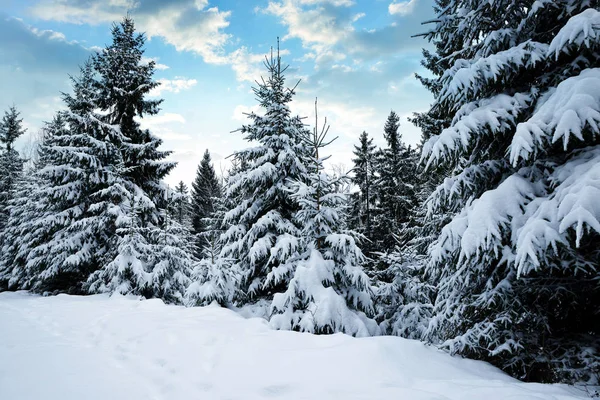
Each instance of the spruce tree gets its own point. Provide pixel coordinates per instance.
(214, 279)
(77, 196)
(261, 234)
(122, 85)
(364, 177)
(28, 207)
(206, 191)
(397, 184)
(11, 164)
(516, 267)
(328, 291)
(180, 207)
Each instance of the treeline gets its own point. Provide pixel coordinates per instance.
(482, 240)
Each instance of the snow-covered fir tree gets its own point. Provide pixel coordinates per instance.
(124, 80)
(214, 278)
(262, 235)
(123, 84)
(69, 234)
(328, 291)
(150, 261)
(11, 164)
(364, 177)
(396, 183)
(206, 192)
(180, 206)
(517, 266)
(25, 228)
(90, 173)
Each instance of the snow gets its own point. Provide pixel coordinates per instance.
(568, 110)
(96, 347)
(582, 30)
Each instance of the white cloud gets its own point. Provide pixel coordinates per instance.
(186, 24)
(358, 16)
(317, 29)
(165, 126)
(402, 8)
(172, 85)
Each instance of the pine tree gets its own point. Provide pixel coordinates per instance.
(364, 178)
(328, 292)
(516, 267)
(11, 164)
(261, 234)
(206, 190)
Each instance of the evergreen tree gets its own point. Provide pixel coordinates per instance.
(261, 234)
(328, 291)
(397, 185)
(516, 268)
(150, 261)
(181, 208)
(70, 231)
(27, 208)
(364, 178)
(11, 164)
(123, 83)
(206, 190)
(213, 278)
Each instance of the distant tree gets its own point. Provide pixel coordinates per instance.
(364, 177)
(180, 206)
(397, 184)
(206, 192)
(11, 164)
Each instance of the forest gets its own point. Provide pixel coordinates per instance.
(483, 240)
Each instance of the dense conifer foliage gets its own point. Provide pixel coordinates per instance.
(516, 268)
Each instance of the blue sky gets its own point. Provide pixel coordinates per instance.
(356, 56)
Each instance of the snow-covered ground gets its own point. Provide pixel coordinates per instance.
(96, 347)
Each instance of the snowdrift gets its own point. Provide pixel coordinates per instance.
(100, 347)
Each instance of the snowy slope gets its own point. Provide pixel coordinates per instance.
(96, 347)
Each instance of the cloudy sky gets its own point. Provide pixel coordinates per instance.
(356, 56)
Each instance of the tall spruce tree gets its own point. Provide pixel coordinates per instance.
(181, 207)
(11, 164)
(328, 291)
(206, 191)
(516, 268)
(123, 84)
(27, 207)
(262, 234)
(364, 177)
(397, 185)
(124, 81)
(75, 188)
